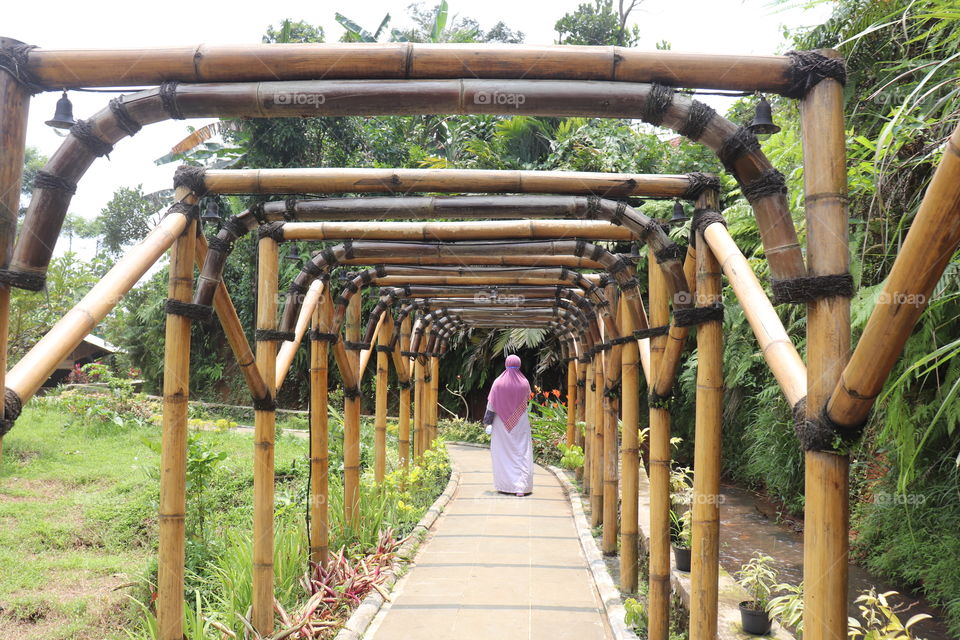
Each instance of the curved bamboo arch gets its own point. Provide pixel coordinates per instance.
(654, 103)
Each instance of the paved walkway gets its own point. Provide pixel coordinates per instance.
(496, 566)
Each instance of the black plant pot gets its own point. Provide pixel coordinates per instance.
(755, 621)
(681, 558)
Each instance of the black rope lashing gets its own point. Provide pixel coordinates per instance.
(191, 211)
(698, 315)
(198, 312)
(351, 393)
(384, 348)
(290, 209)
(742, 141)
(311, 268)
(657, 401)
(808, 68)
(822, 433)
(317, 335)
(328, 257)
(355, 346)
(651, 332)
(193, 178)
(265, 404)
(703, 218)
(621, 340)
(598, 253)
(769, 183)
(257, 212)
(272, 335)
(603, 346)
(12, 405)
(124, 120)
(272, 230)
(809, 288)
(669, 253)
(215, 243)
(380, 270)
(617, 216)
(83, 132)
(700, 182)
(168, 100)
(47, 180)
(698, 117)
(427, 378)
(631, 283)
(593, 208)
(405, 384)
(14, 59)
(409, 354)
(582, 384)
(658, 101)
(618, 265)
(611, 393)
(348, 249)
(234, 227)
(23, 280)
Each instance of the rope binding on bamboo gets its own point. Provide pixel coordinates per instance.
(124, 120)
(808, 288)
(265, 404)
(700, 182)
(13, 60)
(822, 433)
(168, 100)
(317, 335)
(703, 218)
(83, 131)
(809, 69)
(657, 103)
(198, 312)
(698, 118)
(23, 280)
(47, 180)
(770, 182)
(657, 401)
(351, 393)
(356, 346)
(192, 178)
(12, 406)
(271, 335)
(698, 315)
(651, 332)
(272, 230)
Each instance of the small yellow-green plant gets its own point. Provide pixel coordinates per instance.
(880, 621)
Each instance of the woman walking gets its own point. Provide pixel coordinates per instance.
(511, 447)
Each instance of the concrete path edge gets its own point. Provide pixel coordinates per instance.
(363, 615)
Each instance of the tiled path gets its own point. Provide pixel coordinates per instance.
(496, 566)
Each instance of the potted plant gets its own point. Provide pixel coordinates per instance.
(788, 607)
(680, 539)
(758, 577)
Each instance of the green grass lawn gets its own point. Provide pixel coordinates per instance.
(78, 529)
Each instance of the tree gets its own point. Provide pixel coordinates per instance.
(33, 161)
(293, 31)
(126, 219)
(598, 24)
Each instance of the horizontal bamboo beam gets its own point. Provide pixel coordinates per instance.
(775, 345)
(460, 230)
(406, 181)
(72, 68)
(926, 252)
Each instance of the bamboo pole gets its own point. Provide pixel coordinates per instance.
(597, 464)
(933, 238)
(659, 471)
(263, 441)
(380, 421)
(461, 230)
(434, 398)
(320, 435)
(404, 414)
(826, 514)
(289, 347)
(581, 412)
(775, 345)
(173, 446)
(588, 429)
(611, 480)
(407, 181)
(72, 68)
(367, 354)
(14, 111)
(571, 400)
(630, 461)
(705, 521)
(351, 418)
(233, 330)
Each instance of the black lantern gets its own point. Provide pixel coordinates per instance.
(763, 119)
(679, 215)
(293, 255)
(212, 214)
(63, 117)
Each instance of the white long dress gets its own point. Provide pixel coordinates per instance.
(512, 454)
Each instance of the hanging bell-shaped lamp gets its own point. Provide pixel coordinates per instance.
(763, 119)
(679, 215)
(293, 255)
(63, 117)
(212, 213)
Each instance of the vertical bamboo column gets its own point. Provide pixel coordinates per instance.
(351, 416)
(14, 109)
(320, 433)
(705, 549)
(581, 405)
(263, 440)
(630, 454)
(404, 415)
(434, 397)
(611, 414)
(418, 407)
(596, 464)
(571, 401)
(826, 520)
(380, 419)
(659, 471)
(173, 445)
(588, 426)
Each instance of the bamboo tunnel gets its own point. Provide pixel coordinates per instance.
(927, 250)
(263, 439)
(826, 510)
(289, 347)
(708, 425)
(322, 317)
(173, 444)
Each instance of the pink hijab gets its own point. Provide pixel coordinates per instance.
(510, 393)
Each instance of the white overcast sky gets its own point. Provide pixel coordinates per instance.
(718, 26)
